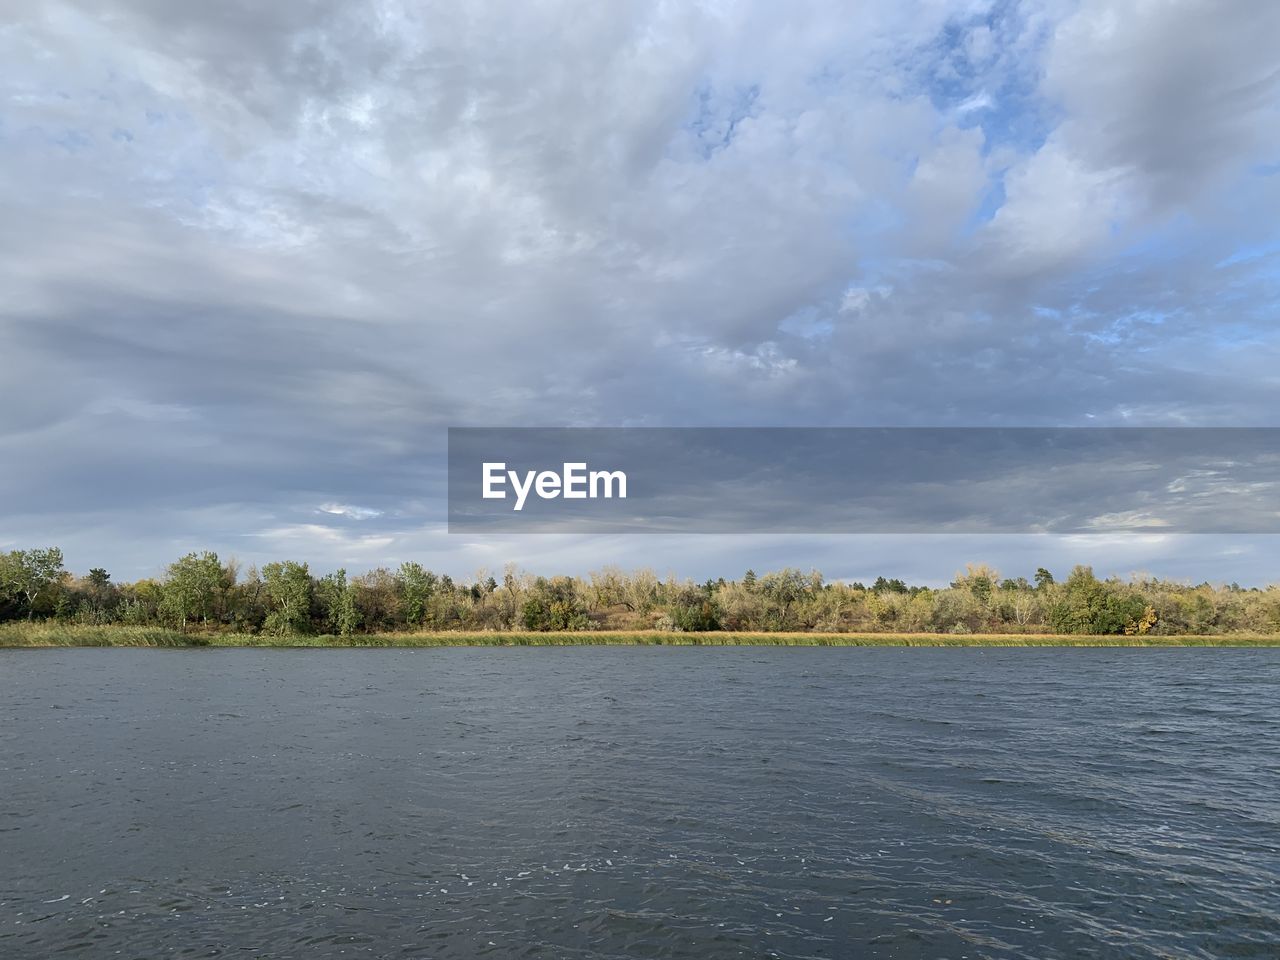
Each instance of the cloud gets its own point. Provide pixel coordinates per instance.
(256, 257)
(1174, 96)
(348, 510)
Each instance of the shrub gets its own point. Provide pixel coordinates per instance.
(1090, 605)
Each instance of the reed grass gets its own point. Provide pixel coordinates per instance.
(50, 634)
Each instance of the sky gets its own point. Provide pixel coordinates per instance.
(256, 258)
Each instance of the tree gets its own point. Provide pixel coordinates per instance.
(888, 586)
(1090, 605)
(415, 586)
(641, 592)
(31, 574)
(247, 601)
(1024, 607)
(378, 599)
(100, 596)
(979, 579)
(288, 587)
(337, 603)
(781, 590)
(1043, 578)
(554, 605)
(694, 608)
(191, 587)
(1148, 620)
(608, 589)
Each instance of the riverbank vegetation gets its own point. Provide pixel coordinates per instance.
(55, 634)
(202, 598)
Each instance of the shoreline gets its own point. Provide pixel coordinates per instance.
(46, 636)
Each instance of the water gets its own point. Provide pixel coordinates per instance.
(636, 802)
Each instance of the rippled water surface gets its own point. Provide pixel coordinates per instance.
(639, 802)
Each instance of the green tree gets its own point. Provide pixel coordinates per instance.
(337, 603)
(694, 608)
(100, 596)
(31, 574)
(554, 605)
(288, 588)
(1043, 578)
(979, 579)
(191, 587)
(1090, 605)
(416, 587)
(781, 591)
(882, 585)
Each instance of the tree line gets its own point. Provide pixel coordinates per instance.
(203, 592)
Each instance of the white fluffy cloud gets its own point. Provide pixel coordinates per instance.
(255, 258)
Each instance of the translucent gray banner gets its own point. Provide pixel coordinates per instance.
(864, 480)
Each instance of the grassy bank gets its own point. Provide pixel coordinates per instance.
(63, 635)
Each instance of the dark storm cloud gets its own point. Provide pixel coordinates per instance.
(256, 258)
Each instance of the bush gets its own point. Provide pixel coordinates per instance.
(555, 605)
(693, 609)
(1090, 605)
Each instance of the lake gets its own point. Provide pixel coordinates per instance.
(640, 802)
